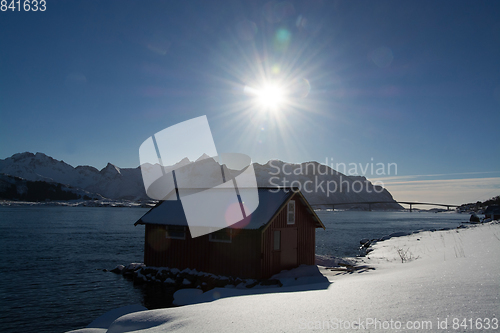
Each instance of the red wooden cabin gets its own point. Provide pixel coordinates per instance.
(278, 235)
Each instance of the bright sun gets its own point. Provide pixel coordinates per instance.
(271, 96)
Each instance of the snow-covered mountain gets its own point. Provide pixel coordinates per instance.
(319, 183)
(322, 185)
(111, 182)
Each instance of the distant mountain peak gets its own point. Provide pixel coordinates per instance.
(111, 168)
(21, 156)
(181, 163)
(202, 157)
(34, 158)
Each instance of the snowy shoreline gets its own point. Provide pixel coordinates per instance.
(78, 203)
(447, 281)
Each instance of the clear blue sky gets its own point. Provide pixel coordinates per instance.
(413, 83)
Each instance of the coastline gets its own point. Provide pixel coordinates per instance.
(451, 275)
(78, 203)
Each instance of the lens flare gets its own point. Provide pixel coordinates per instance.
(233, 212)
(216, 295)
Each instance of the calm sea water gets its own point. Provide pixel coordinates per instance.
(344, 229)
(52, 277)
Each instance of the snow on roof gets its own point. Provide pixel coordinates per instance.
(271, 200)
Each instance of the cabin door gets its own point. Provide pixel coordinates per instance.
(288, 248)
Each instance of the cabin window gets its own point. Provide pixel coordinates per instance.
(277, 240)
(175, 232)
(222, 235)
(291, 212)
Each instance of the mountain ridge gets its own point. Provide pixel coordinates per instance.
(315, 180)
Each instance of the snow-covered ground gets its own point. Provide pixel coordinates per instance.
(430, 281)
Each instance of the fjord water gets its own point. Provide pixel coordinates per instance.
(344, 229)
(53, 258)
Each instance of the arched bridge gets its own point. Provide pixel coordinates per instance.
(370, 203)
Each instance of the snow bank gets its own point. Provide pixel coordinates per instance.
(102, 323)
(448, 277)
(303, 275)
(106, 319)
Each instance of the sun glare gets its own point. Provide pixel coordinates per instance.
(271, 96)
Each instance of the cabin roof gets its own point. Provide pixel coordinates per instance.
(271, 201)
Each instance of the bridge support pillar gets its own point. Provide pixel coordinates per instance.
(410, 208)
